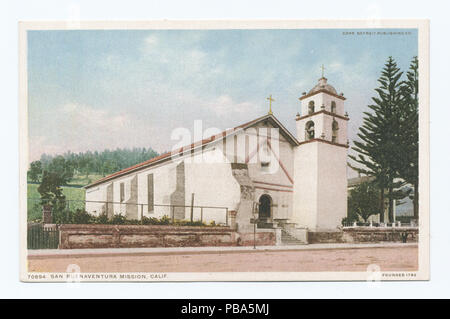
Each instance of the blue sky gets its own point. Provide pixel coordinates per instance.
(97, 89)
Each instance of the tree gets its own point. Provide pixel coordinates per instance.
(35, 171)
(409, 170)
(63, 170)
(102, 163)
(52, 194)
(378, 151)
(58, 173)
(363, 201)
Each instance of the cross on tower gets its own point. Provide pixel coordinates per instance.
(323, 68)
(270, 103)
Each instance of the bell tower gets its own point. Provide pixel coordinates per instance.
(320, 166)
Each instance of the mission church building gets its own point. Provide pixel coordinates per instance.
(257, 170)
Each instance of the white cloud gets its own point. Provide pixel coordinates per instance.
(78, 128)
(224, 105)
(109, 62)
(151, 42)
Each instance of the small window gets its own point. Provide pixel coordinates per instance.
(309, 130)
(150, 193)
(265, 167)
(333, 107)
(265, 164)
(265, 158)
(335, 128)
(311, 107)
(122, 192)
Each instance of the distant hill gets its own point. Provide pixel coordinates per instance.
(101, 163)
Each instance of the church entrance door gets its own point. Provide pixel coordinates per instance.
(265, 206)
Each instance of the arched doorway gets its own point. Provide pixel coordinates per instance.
(265, 207)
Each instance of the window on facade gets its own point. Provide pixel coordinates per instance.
(150, 193)
(265, 166)
(333, 107)
(309, 130)
(335, 128)
(311, 107)
(122, 192)
(265, 158)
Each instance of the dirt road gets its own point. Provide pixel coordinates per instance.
(388, 259)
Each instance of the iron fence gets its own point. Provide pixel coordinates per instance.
(397, 224)
(139, 211)
(40, 236)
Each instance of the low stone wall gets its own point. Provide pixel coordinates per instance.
(131, 236)
(263, 238)
(325, 237)
(365, 235)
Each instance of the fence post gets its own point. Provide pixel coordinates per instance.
(46, 214)
(142, 214)
(226, 216)
(192, 207)
(173, 214)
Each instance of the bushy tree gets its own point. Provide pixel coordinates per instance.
(52, 194)
(35, 171)
(61, 169)
(363, 201)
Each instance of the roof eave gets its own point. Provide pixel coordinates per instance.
(321, 91)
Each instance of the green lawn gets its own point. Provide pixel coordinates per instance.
(82, 180)
(35, 209)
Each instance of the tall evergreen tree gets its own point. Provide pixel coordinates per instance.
(378, 150)
(409, 170)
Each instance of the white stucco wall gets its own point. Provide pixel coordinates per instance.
(274, 181)
(97, 193)
(164, 184)
(120, 208)
(305, 202)
(320, 191)
(332, 186)
(212, 185)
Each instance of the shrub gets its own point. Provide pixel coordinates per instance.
(101, 219)
(118, 220)
(165, 220)
(150, 221)
(81, 217)
(189, 223)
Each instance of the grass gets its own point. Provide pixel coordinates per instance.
(82, 180)
(35, 209)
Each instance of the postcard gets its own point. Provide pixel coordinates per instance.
(224, 150)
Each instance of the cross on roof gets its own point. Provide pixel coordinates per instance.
(270, 103)
(323, 68)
